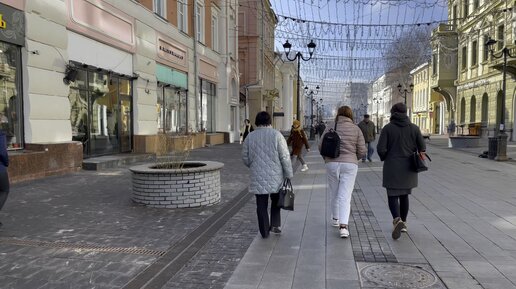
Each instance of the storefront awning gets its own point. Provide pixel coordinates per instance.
(170, 76)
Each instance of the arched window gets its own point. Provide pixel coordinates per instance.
(485, 108)
(472, 109)
(462, 110)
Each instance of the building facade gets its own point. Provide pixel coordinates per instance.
(96, 77)
(479, 102)
(256, 24)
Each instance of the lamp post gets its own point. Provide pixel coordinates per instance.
(311, 95)
(377, 100)
(299, 56)
(501, 151)
(405, 91)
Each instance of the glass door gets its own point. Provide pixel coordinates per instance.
(125, 115)
(104, 114)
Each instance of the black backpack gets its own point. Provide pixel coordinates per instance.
(330, 146)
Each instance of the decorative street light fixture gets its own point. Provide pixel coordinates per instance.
(405, 91)
(299, 56)
(377, 100)
(501, 153)
(311, 95)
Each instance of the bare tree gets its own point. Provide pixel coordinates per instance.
(406, 53)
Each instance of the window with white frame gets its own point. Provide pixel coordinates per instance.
(160, 7)
(215, 31)
(182, 13)
(199, 15)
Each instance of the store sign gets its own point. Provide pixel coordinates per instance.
(172, 53)
(12, 25)
(3, 25)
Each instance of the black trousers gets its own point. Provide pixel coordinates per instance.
(262, 202)
(399, 206)
(4, 188)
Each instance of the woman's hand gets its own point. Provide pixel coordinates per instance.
(422, 155)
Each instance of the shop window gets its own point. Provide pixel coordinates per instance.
(101, 112)
(485, 108)
(171, 110)
(207, 99)
(10, 96)
(462, 111)
(472, 109)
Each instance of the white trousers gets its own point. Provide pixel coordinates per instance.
(341, 180)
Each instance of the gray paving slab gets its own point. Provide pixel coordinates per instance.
(460, 225)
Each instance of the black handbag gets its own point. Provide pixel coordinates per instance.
(418, 163)
(330, 146)
(286, 196)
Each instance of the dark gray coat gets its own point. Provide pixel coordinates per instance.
(398, 141)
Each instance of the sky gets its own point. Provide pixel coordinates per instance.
(351, 35)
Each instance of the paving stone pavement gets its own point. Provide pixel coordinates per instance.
(93, 209)
(461, 230)
(367, 239)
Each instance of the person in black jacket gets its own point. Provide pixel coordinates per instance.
(397, 143)
(4, 163)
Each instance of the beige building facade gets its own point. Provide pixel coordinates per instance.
(82, 87)
(478, 105)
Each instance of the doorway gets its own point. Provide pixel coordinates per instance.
(101, 112)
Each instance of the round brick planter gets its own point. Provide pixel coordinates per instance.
(191, 186)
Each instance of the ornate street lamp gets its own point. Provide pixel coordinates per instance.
(311, 95)
(405, 91)
(299, 56)
(501, 151)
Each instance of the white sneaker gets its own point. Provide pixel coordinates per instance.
(344, 233)
(304, 168)
(335, 222)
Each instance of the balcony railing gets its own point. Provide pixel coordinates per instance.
(445, 28)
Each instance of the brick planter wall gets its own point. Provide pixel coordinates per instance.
(170, 188)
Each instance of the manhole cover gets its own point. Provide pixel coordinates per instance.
(398, 276)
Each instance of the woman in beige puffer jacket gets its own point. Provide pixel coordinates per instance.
(342, 170)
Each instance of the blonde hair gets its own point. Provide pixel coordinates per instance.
(344, 111)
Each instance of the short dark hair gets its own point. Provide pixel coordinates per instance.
(366, 116)
(399, 107)
(263, 118)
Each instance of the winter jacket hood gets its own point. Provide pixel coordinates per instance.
(400, 119)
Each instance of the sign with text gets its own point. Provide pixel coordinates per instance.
(12, 25)
(172, 53)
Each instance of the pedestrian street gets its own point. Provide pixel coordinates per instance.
(461, 232)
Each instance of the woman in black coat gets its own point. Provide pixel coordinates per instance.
(397, 143)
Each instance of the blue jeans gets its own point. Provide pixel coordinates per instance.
(370, 151)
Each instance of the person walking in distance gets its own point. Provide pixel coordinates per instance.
(248, 128)
(4, 177)
(398, 141)
(342, 171)
(265, 152)
(368, 129)
(297, 139)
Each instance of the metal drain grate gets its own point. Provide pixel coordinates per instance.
(81, 247)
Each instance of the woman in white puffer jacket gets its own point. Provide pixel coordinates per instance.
(266, 153)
